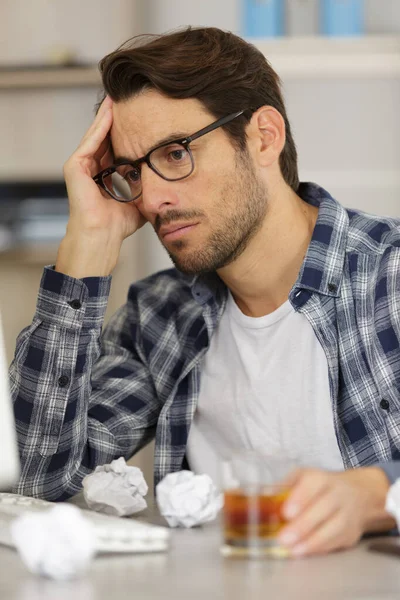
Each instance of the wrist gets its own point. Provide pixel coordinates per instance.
(374, 485)
(88, 254)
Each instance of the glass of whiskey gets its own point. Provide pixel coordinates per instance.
(255, 487)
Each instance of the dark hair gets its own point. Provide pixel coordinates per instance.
(223, 71)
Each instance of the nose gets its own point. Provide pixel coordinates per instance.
(158, 195)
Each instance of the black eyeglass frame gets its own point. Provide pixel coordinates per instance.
(99, 178)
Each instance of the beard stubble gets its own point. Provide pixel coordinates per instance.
(238, 217)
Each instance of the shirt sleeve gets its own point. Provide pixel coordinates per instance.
(81, 399)
(391, 468)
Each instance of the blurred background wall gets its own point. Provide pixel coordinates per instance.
(343, 98)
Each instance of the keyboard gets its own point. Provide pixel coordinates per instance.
(114, 534)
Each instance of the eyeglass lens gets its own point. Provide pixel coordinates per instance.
(171, 162)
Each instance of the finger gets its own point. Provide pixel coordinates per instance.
(93, 139)
(309, 484)
(309, 520)
(106, 160)
(104, 149)
(334, 534)
(105, 105)
(107, 102)
(105, 108)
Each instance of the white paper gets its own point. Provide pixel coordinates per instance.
(186, 499)
(116, 489)
(58, 543)
(393, 501)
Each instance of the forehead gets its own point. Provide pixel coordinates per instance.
(140, 122)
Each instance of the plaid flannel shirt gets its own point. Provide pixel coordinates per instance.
(82, 399)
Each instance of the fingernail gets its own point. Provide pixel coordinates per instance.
(299, 550)
(288, 538)
(291, 511)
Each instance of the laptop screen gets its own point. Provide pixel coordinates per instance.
(9, 459)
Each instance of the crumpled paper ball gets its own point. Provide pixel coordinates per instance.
(116, 489)
(186, 499)
(392, 505)
(58, 543)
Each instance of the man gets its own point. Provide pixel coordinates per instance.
(277, 331)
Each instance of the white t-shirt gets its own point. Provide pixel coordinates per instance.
(264, 386)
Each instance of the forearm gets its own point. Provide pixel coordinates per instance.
(375, 484)
(50, 374)
(105, 406)
(88, 254)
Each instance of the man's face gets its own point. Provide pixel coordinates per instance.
(206, 220)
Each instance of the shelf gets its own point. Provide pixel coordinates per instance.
(50, 77)
(292, 57)
(42, 254)
(333, 58)
(14, 175)
(367, 179)
(31, 254)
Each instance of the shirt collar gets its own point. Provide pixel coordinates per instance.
(207, 286)
(322, 268)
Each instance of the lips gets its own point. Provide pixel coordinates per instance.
(175, 230)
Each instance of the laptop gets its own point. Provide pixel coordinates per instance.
(9, 458)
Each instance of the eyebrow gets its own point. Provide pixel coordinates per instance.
(173, 137)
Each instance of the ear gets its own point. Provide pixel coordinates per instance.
(266, 135)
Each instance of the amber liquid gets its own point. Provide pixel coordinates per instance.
(253, 520)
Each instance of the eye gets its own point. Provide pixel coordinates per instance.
(177, 155)
(132, 176)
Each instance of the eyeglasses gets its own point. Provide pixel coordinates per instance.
(172, 161)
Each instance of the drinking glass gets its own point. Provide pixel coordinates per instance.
(255, 487)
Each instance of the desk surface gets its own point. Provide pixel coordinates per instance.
(193, 569)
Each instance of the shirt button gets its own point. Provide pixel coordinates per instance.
(75, 304)
(63, 381)
(384, 404)
(332, 287)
